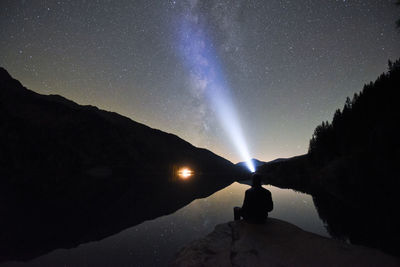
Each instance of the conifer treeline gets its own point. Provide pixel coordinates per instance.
(363, 119)
(366, 130)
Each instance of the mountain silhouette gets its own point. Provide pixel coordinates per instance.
(256, 163)
(52, 135)
(72, 173)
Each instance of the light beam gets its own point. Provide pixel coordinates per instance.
(199, 55)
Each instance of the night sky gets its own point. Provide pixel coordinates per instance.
(285, 65)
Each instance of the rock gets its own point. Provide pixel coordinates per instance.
(276, 243)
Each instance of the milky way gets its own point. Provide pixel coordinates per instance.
(286, 65)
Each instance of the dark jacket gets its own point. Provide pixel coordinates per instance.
(257, 203)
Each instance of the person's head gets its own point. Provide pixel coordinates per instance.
(256, 180)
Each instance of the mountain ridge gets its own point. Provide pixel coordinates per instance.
(79, 173)
(28, 103)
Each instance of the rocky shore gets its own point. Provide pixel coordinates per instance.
(276, 243)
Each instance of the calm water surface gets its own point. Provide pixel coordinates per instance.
(154, 243)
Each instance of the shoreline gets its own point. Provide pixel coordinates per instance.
(276, 243)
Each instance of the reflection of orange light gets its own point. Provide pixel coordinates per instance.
(185, 173)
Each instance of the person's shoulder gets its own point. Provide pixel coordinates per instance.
(251, 189)
(266, 190)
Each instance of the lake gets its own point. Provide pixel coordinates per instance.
(155, 242)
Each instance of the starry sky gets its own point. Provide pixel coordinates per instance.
(286, 65)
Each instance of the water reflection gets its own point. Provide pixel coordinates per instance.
(36, 222)
(185, 173)
(154, 242)
(375, 224)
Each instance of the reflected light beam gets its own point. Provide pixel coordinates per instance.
(199, 56)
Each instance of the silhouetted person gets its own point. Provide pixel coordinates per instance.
(257, 203)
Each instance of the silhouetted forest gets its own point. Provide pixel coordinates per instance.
(351, 167)
(361, 144)
(357, 152)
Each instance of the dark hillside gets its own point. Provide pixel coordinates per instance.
(352, 166)
(50, 134)
(362, 144)
(356, 153)
(71, 174)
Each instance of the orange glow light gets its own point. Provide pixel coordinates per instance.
(185, 173)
